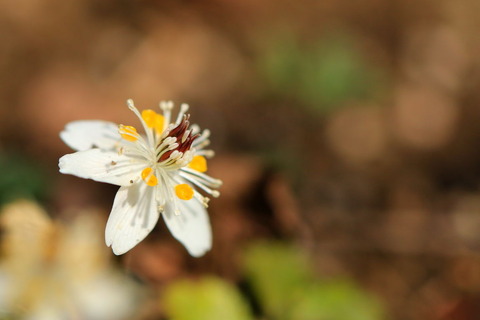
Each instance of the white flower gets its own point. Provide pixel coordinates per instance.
(50, 270)
(156, 173)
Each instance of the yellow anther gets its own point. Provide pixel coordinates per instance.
(128, 132)
(184, 191)
(198, 163)
(148, 177)
(153, 120)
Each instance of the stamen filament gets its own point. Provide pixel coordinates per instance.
(214, 193)
(183, 108)
(206, 153)
(214, 183)
(149, 133)
(204, 136)
(202, 145)
(166, 107)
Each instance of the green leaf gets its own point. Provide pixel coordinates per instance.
(333, 73)
(20, 178)
(323, 74)
(278, 273)
(336, 300)
(286, 288)
(206, 299)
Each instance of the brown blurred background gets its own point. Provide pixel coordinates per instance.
(349, 128)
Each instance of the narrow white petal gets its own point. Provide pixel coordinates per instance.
(134, 215)
(103, 166)
(191, 226)
(86, 134)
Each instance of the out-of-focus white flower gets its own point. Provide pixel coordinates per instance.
(54, 271)
(156, 173)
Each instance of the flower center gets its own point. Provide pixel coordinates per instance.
(173, 147)
(181, 136)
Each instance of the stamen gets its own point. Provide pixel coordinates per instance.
(132, 107)
(165, 145)
(195, 128)
(166, 132)
(165, 153)
(203, 200)
(173, 146)
(202, 137)
(149, 177)
(185, 135)
(203, 144)
(128, 132)
(166, 107)
(130, 104)
(206, 153)
(184, 191)
(183, 108)
(206, 179)
(202, 186)
(170, 140)
(176, 155)
(185, 159)
(198, 163)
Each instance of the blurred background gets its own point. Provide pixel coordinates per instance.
(346, 134)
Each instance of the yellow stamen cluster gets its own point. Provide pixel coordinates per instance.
(149, 177)
(184, 191)
(153, 120)
(128, 133)
(198, 163)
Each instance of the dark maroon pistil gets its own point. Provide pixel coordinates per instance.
(178, 132)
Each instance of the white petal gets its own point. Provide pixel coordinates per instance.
(133, 217)
(103, 166)
(105, 296)
(87, 134)
(191, 226)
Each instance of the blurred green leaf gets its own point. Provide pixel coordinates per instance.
(20, 178)
(206, 299)
(323, 75)
(278, 275)
(280, 64)
(336, 300)
(282, 281)
(334, 72)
